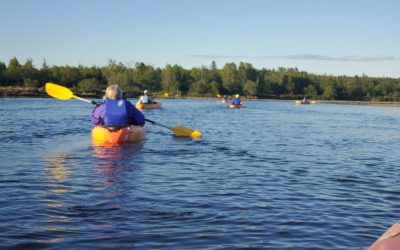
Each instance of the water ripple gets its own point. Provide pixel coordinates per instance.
(271, 176)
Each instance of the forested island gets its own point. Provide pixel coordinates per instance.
(25, 79)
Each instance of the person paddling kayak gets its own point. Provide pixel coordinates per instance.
(224, 99)
(146, 102)
(236, 101)
(116, 112)
(145, 98)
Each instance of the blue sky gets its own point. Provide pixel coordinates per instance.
(334, 37)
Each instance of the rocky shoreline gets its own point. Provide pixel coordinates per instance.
(10, 91)
(16, 92)
(369, 103)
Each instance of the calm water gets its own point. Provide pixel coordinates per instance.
(273, 175)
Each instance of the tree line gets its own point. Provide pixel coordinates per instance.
(243, 79)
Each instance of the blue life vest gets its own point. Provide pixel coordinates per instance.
(116, 113)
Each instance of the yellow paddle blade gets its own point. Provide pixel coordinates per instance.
(182, 131)
(139, 106)
(58, 91)
(218, 95)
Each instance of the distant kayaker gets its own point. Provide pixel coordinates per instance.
(304, 101)
(116, 111)
(223, 99)
(145, 98)
(236, 101)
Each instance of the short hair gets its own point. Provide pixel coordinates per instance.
(113, 92)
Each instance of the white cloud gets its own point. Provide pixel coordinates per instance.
(314, 57)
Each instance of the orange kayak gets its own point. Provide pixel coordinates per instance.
(154, 105)
(390, 240)
(104, 137)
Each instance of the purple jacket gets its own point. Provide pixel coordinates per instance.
(236, 101)
(134, 115)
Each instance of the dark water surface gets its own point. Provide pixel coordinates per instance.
(274, 175)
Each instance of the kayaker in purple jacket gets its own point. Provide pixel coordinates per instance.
(236, 101)
(116, 111)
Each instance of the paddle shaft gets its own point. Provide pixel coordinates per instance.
(63, 93)
(92, 102)
(155, 123)
(83, 99)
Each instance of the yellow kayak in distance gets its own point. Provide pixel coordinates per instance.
(307, 102)
(154, 105)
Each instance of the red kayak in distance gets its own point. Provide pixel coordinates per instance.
(233, 106)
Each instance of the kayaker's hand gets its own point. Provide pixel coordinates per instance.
(95, 103)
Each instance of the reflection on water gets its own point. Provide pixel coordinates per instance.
(70, 203)
(56, 171)
(55, 166)
(112, 161)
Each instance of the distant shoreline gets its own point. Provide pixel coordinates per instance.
(369, 103)
(339, 102)
(24, 92)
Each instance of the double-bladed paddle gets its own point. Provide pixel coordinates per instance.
(63, 93)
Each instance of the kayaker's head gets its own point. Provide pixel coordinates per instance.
(145, 92)
(113, 92)
(237, 95)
